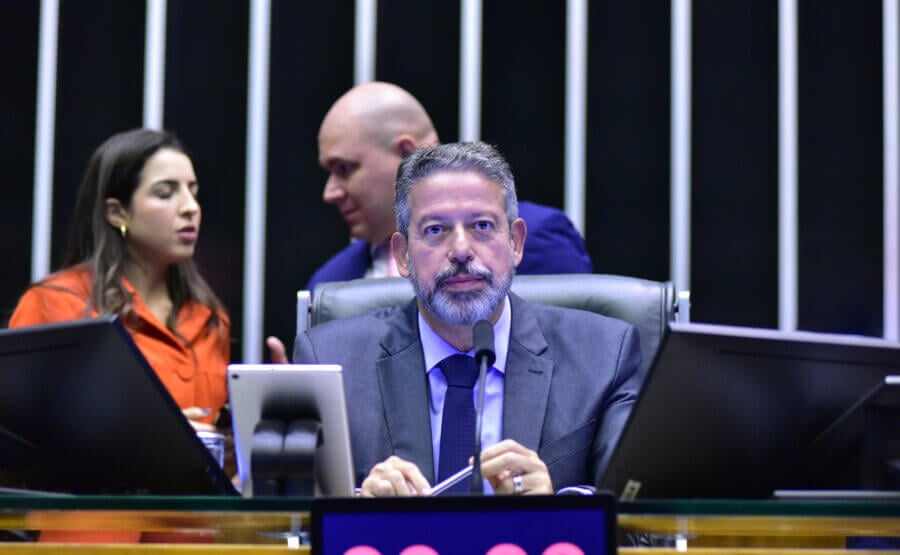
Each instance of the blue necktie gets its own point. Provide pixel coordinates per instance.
(458, 418)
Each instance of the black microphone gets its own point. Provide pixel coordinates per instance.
(483, 344)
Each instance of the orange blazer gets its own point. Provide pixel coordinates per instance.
(194, 372)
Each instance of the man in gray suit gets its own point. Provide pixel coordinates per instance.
(564, 381)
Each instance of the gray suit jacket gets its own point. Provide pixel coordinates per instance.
(569, 387)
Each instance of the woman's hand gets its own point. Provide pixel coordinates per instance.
(195, 415)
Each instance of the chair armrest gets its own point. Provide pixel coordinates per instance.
(683, 307)
(304, 299)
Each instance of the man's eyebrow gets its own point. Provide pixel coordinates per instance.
(480, 215)
(430, 218)
(325, 163)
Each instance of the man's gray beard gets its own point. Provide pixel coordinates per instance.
(463, 308)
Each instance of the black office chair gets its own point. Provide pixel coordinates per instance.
(647, 305)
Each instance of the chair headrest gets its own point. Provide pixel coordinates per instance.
(647, 305)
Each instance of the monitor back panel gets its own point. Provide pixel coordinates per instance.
(81, 411)
(729, 412)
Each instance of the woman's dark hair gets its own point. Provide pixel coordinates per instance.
(114, 171)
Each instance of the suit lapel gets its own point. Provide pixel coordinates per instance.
(403, 382)
(404, 391)
(528, 375)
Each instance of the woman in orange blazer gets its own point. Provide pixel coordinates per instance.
(134, 230)
(130, 252)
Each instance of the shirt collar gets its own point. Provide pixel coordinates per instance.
(191, 319)
(380, 250)
(382, 261)
(436, 349)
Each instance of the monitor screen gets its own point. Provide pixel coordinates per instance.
(81, 411)
(732, 412)
(493, 525)
(290, 392)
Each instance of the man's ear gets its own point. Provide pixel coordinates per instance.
(404, 145)
(115, 213)
(399, 248)
(517, 232)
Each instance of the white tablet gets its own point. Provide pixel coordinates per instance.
(259, 390)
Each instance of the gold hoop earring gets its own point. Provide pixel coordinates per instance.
(123, 229)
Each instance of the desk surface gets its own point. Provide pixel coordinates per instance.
(240, 526)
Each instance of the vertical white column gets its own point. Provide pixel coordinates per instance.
(891, 61)
(470, 70)
(365, 41)
(680, 208)
(257, 152)
(787, 164)
(155, 63)
(576, 110)
(44, 138)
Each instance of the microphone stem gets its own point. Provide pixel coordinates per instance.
(477, 487)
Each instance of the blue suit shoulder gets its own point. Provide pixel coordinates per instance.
(553, 245)
(349, 263)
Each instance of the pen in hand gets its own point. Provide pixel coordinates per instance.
(451, 481)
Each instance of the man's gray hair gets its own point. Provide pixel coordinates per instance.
(466, 156)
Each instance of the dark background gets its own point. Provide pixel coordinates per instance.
(734, 146)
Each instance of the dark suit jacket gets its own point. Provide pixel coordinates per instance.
(553, 246)
(569, 387)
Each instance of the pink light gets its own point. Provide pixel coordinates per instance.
(506, 549)
(418, 550)
(563, 548)
(362, 550)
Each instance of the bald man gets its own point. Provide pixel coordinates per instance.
(362, 140)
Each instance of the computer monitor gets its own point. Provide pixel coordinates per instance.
(290, 392)
(732, 412)
(82, 412)
(502, 524)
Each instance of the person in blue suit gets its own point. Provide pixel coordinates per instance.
(362, 140)
(564, 381)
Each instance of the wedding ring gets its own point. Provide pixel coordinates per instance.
(518, 489)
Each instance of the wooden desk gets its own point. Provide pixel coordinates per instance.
(748, 526)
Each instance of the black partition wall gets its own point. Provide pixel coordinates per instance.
(734, 134)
